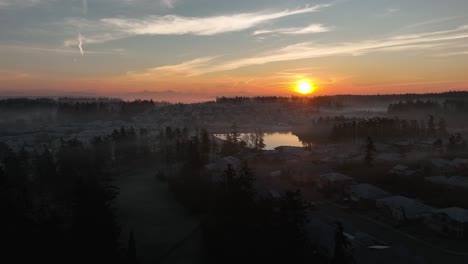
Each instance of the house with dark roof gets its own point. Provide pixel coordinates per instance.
(451, 222)
(334, 183)
(452, 182)
(365, 195)
(402, 171)
(404, 209)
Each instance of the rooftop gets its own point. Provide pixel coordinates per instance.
(455, 213)
(453, 181)
(411, 207)
(335, 176)
(369, 191)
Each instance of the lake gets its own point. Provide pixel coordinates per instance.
(273, 140)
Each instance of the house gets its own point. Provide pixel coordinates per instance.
(402, 171)
(403, 209)
(334, 182)
(440, 165)
(298, 152)
(450, 182)
(218, 167)
(451, 222)
(275, 174)
(366, 195)
(307, 173)
(222, 164)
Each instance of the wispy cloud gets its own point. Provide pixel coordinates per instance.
(184, 68)
(13, 75)
(310, 29)
(168, 3)
(18, 3)
(420, 41)
(44, 50)
(85, 7)
(391, 11)
(115, 28)
(455, 53)
(433, 21)
(80, 44)
(204, 26)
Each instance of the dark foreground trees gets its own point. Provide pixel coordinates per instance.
(245, 228)
(57, 208)
(370, 151)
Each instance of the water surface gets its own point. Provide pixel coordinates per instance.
(273, 140)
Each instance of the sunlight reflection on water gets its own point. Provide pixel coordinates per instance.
(273, 140)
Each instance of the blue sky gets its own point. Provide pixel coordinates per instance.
(205, 48)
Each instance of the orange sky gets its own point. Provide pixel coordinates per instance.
(190, 52)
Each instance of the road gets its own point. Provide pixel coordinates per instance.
(404, 248)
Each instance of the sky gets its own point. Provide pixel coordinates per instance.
(195, 50)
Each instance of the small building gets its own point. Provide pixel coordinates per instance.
(450, 222)
(307, 173)
(275, 174)
(402, 171)
(459, 164)
(403, 209)
(441, 166)
(334, 182)
(366, 195)
(222, 164)
(218, 168)
(452, 182)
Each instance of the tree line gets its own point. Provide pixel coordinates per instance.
(429, 106)
(381, 127)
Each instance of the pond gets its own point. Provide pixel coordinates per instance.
(273, 140)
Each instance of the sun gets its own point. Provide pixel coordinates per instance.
(304, 87)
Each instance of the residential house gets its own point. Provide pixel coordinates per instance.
(451, 222)
(218, 167)
(365, 195)
(402, 171)
(403, 209)
(334, 183)
(452, 182)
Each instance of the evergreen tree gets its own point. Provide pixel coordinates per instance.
(46, 169)
(235, 137)
(293, 212)
(205, 147)
(2, 176)
(442, 127)
(431, 125)
(259, 143)
(131, 250)
(342, 253)
(370, 151)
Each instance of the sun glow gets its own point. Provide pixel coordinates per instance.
(304, 87)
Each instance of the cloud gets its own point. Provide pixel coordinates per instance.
(115, 28)
(310, 29)
(168, 3)
(80, 44)
(421, 41)
(311, 50)
(85, 7)
(203, 26)
(19, 3)
(44, 50)
(187, 68)
(13, 75)
(391, 11)
(455, 53)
